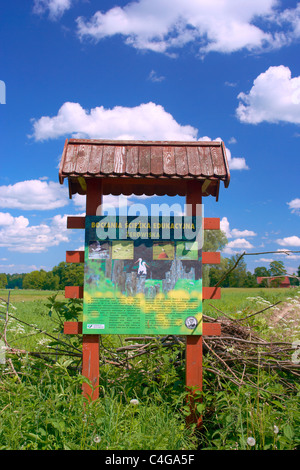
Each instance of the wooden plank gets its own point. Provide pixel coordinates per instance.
(132, 160)
(194, 361)
(205, 185)
(218, 161)
(62, 161)
(208, 329)
(90, 366)
(211, 223)
(74, 292)
(211, 329)
(107, 164)
(82, 161)
(94, 196)
(95, 160)
(90, 343)
(156, 161)
(194, 350)
(75, 256)
(75, 222)
(70, 159)
(72, 327)
(120, 160)
(210, 257)
(144, 160)
(193, 374)
(169, 167)
(194, 167)
(158, 143)
(181, 161)
(206, 164)
(211, 292)
(227, 179)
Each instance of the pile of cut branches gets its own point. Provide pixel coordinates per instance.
(240, 350)
(235, 355)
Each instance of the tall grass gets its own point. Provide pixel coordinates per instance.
(142, 407)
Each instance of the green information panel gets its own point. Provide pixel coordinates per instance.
(143, 275)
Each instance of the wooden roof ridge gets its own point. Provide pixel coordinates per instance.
(208, 143)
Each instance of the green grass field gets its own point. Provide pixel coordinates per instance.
(143, 406)
(230, 296)
(26, 295)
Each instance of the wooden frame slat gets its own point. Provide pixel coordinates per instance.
(211, 292)
(210, 257)
(75, 222)
(211, 223)
(75, 328)
(74, 292)
(75, 256)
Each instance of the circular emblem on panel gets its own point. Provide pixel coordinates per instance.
(191, 322)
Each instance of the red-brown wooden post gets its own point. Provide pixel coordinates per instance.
(90, 343)
(194, 344)
(193, 377)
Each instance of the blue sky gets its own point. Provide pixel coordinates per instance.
(152, 70)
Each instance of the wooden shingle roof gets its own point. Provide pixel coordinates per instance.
(144, 167)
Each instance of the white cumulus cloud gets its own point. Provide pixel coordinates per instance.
(55, 8)
(224, 226)
(237, 246)
(147, 121)
(234, 233)
(242, 233)
(16, 233)
(223, 26)
(33, 195)
(294, 205)
(236, 163)
(274, 97)
(294, 240)
(239, 243)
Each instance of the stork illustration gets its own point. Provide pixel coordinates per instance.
(142, 269)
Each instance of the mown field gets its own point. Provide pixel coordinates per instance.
(142, 404)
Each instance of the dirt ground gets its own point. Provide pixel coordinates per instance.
(286, 318)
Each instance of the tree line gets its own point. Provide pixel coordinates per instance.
(240, 277)
(65, 274)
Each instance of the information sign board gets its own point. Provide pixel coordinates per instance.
(143, 275)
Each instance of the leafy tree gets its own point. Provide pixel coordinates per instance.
(216, 272)
(277, 268)
(250, 280)
(294, 281)
(237, 277)
(3, 281)
(15, 281)
(69, 274)
(214, 240)
(261, 271)
(35, 280)
(51, 281)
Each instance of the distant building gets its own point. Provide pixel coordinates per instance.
(283, 281)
